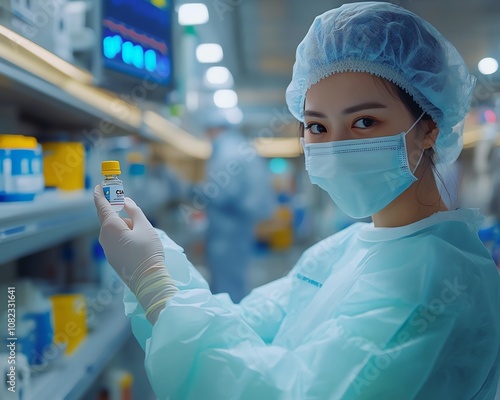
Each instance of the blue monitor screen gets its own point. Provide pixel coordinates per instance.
(136, 38)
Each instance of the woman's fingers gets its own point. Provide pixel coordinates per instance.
(136, 215)
(129, 223)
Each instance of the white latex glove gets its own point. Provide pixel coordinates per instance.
(135, 252)
(130, 245)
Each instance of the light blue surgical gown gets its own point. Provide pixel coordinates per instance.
(367, 313)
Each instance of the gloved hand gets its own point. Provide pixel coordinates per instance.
(130, 245)
(135, 252)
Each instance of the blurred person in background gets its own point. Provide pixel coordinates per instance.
(238, 194)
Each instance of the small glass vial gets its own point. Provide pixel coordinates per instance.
(112, 186)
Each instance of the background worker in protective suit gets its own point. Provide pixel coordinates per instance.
(238, 194)
(405, 307)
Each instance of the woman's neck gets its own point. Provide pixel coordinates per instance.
(419, 201)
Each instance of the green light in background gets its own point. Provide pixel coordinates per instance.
(278, 165)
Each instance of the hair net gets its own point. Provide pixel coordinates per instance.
(388, 41)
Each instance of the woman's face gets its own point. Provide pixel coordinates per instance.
(353, 105)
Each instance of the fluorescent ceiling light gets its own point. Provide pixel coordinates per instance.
(193, 14)
(225, 98)
(209, 53)
(234, 115)
(218, 75)
(488, 66)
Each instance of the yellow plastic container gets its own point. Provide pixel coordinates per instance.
(282, 237)
(70, 325)
(17, 142)
(64, 165)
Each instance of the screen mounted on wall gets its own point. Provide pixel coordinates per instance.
(136, 39)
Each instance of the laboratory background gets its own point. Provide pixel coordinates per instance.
(189, 98)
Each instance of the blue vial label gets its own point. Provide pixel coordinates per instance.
(114, 194)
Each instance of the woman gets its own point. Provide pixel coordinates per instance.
(402, 308)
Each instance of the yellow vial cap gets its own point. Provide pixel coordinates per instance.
(111, 168)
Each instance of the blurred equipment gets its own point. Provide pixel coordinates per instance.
(490, 236)
(282, 235)
(495, 196)
(70, 32)
(135, 53)
(494, 206)
(118, 384)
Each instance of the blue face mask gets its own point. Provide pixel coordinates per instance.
(362, 176)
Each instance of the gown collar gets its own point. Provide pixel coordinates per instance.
(471, 216)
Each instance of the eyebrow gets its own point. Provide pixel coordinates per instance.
(363, 106)
(349, 110)
(310, 113)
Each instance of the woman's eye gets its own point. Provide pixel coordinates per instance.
(364, 123)
(315, 128)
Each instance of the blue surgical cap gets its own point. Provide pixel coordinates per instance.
(391, 42)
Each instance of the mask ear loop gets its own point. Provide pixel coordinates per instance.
(415, 123)
(303, 144)
(406, 133)
(418, 162)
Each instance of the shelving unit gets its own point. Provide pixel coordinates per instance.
(71, 376)
(51, 105)
(50, 219)
(58, 216)
(51, 95)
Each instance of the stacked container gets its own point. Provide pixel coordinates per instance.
(21, 175)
